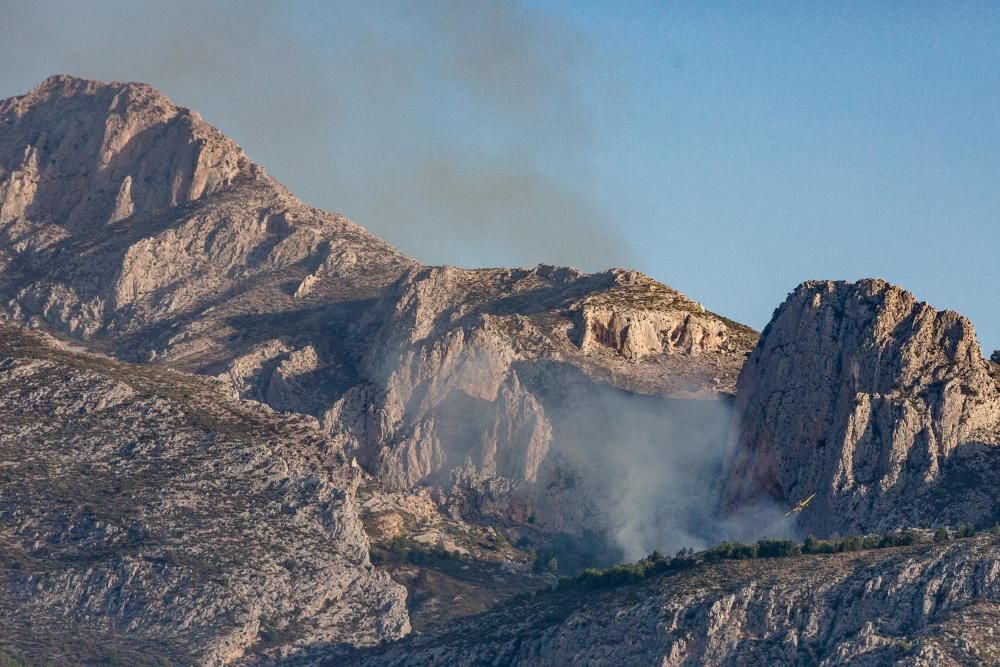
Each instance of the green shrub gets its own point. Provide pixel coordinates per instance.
(771, 548)
(612, 577)
(851, 543)
(9, 660)
(413, 551)
(731, 551)
(815, 546)
(941, 535)
(871, 542)
(903, 538)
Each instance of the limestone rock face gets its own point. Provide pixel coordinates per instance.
(81, 153)
(146, 514)
(487, 383)
(636, 334)
(934, 605)
(874, 401)
(650, 319)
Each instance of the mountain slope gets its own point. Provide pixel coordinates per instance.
(925, 605)
(145, 514)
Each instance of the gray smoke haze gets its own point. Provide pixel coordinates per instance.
(655, 467)
(456, 130)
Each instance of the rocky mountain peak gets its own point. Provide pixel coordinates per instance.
(869, 398)
(76, 152)
(120, 210)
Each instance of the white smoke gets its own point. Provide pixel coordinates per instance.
(656, 468)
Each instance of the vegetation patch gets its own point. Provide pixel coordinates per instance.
(655, 564)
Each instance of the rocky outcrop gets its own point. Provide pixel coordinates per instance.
(144, 514)
(637, 334)
(638, 317)
(279, 376)
(876, 402)
(922, 606)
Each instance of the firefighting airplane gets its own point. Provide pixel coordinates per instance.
(801, 506)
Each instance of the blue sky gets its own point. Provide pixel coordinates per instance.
(729, 150)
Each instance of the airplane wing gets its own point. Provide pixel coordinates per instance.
(801, 506)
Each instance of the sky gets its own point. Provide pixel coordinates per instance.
(730, 150)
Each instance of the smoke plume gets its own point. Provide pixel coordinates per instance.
(655, 469)
(456, 130)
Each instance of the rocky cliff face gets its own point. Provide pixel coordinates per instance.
(79, 153)
(144, 514)
(919, 606)
(879, 404)
(517, 390)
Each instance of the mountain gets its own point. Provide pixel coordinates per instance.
(126, 219)
(241, 430)
(130, 224)
(877, 403)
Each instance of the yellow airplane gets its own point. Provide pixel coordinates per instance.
(801, 506)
